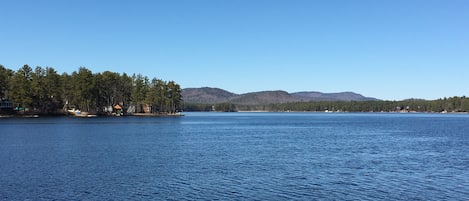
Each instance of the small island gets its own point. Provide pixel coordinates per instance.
(44, 92)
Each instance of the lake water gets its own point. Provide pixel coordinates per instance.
(237, 156)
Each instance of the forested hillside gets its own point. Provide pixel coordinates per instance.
(216, 95)
(342, 96)
(213, 99)
(207, 95)
(43, 90)
(263, 97)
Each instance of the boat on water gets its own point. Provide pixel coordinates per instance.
(78, 113)
(74, 111)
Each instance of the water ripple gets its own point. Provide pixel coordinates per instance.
(239, 157)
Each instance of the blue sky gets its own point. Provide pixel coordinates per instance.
(390, 50)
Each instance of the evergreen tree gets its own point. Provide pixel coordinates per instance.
(5, 76)
(84, 89)
(20, 87)
(174, 97)
(465, 104)
(140, 89)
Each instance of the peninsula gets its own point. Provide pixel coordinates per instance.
(42, 91)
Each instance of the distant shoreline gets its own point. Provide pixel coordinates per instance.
(330, 112)
(377, 112)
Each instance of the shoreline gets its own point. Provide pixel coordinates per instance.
(330, 112)
(154, 115)
(21, 116)
(88, 115)
(4, 116)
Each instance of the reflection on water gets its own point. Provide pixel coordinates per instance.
(260, 156)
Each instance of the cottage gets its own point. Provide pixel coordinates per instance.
(118, 109)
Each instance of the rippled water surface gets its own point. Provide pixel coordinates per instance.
(237, 156)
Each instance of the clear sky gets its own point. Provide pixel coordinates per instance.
(390, 50)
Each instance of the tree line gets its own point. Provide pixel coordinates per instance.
(205, 107)
(43, 90)
(452, 104)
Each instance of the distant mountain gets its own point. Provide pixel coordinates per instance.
(215, 95)
(206, 95)
(264, 97)
(342, 96)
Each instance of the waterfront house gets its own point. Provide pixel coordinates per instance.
(6, 105)
(118, 109)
